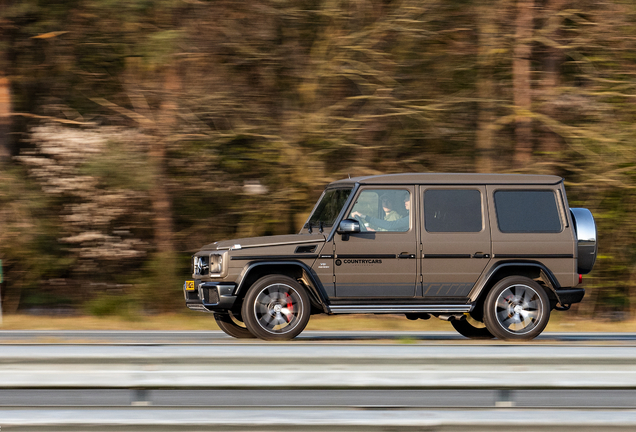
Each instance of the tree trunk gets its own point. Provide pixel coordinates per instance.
(550, 141)
(521, 70)
(5, 99)
(485, 149)
(161, 203)
(5, 119)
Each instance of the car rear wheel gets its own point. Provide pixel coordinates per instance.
(232, 325)
(471, 328)
(276, 307)
(517, 308)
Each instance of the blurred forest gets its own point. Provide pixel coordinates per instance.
(134, 131)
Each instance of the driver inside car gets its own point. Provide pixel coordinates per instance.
(375, 224)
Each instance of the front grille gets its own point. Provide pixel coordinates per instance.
(201, 265)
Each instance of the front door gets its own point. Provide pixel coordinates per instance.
(455, 239)
(380, 261)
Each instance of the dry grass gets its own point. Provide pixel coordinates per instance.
(155, 322)
(560, 322)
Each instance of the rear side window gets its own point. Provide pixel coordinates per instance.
(452, 210)
(527, 211)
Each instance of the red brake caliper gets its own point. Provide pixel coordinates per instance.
(290, 307)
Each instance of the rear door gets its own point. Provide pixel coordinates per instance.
(455, 238)
(530, 225)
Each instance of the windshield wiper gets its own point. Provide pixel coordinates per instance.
(309, 227)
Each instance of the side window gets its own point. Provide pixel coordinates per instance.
(383, 210)
(452, 210)
(527, 211)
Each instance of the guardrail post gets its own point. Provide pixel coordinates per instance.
(504, 398)
(139, 397)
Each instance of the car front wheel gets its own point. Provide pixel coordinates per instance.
(516, 308)
(276, 307)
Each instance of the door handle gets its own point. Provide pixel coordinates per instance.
(405, 255)
(481, 255)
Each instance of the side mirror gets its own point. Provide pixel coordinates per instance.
(349, 226)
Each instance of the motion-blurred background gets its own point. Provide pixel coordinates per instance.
(132, 132)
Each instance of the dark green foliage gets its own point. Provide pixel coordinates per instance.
(120, 168)
(113, 305)
(237, 98)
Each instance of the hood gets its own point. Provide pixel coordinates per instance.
(254, 242)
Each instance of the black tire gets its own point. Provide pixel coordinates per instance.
(276, 308)
(472, 329)
(516, 308)
(232, 326)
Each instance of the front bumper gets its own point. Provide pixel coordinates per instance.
(209, 296)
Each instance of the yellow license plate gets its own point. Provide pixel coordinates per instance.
(189, 285)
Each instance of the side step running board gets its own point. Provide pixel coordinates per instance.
(399, 309)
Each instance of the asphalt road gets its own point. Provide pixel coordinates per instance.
(214, 337)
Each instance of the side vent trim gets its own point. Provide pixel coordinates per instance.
(305, 249)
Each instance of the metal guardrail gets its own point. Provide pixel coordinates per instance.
(505, 369)
(318, 366)
(316, 420)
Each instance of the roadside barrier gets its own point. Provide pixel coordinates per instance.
(507, 370)
(291, 365)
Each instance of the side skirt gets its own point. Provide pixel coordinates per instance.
(399, 309)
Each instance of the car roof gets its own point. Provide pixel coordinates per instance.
(453, 178)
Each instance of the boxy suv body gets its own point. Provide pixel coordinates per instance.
(492, 253)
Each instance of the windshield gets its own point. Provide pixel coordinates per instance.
(329, 207)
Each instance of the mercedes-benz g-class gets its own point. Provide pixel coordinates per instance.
(493, 254)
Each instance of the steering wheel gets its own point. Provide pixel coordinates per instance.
(361, 221)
